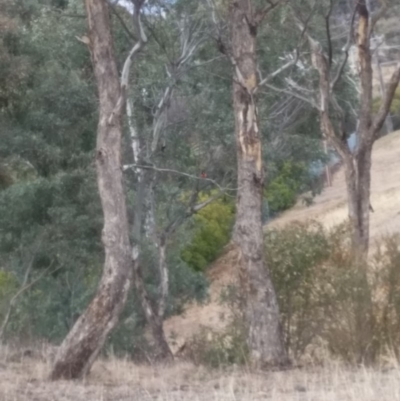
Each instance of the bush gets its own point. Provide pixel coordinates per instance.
(213, 226)
(293, 254)
(218, 350)
(326, 299)
(330, 306)
(282, 191)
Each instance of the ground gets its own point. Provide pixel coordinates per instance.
(119, 380)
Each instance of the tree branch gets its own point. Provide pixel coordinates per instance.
(167, 170)
(24, 287)
(277, 72)
(290, 63)
(346, 51)
(121, 20)
(294, 94)
(261, 14)
(328, 32)
(380, 117)
(137, 6)
(376, 16)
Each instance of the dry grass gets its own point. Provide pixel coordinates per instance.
(25, 379)
(330, 207)
(119, 380)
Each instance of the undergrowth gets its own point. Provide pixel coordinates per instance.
(330, 308)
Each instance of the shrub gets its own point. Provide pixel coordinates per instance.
(222, 349)
(282, 191)
(292, 255)
(326, 298)
(213, 226)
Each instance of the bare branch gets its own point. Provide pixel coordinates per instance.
(377, 15)
(199, 206)
(290, 63)
(305, 99)
(137, 6)
(137, 47)
(261, 14)
(386, 102)
(346, 51)
(190, 42)
(24, 287)
(167, 170)
(276, 72)
(328, 32)
(122, 22)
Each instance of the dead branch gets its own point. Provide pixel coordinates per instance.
(167, 170)
(304, 98)
(24, 287)
(384, 110)
(122, 22)
(261, 14)
(377, 15)
(290, 63)
(346, 51)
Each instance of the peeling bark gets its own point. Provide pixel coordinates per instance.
(260, 307)
(83, 343)
(357, 165)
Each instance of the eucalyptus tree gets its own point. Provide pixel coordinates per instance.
(177, 38)
(83, 343)
(330, 66)
(261, 311)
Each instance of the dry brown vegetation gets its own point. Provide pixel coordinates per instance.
(25, 379)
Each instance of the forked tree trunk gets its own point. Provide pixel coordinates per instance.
(81, 346)
(357, 164)
(145, 195)
(260, 307)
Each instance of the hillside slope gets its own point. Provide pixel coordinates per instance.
(329, 208)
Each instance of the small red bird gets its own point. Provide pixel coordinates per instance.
(203, 174)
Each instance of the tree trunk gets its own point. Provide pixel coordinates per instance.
(144, 220)
(154, 318)
(364, 193)
(358, 164)
(261, 311)
(366, 134)
(81, 346)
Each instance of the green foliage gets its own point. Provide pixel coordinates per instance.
(212, 232)
(281, 193)
(292, 255)
(327, 302)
